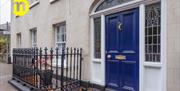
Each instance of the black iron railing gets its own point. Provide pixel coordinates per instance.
(45, 69)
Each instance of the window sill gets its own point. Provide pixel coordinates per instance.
(153, 64)
(34, 4)
(52, 1)
(97, 60)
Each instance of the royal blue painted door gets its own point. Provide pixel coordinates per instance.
(122, 51)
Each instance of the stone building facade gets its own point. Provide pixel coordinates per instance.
(148, 59)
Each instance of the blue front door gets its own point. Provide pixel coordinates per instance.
(122, 51)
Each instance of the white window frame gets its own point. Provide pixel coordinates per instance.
(158, 45)
(60, 41)
(94, 39)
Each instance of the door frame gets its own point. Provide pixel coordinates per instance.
(98, 74)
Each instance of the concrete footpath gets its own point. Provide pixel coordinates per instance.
(5, 75)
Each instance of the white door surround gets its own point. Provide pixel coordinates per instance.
(152, 75)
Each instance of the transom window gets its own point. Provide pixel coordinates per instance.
(110, 3)
(153, 32)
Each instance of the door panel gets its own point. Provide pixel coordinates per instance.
(113, 34)
(122, 51)
(113, 70)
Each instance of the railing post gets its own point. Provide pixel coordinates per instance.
(57, 66)
(67, 69)
(36, 63)
(71, 63)
(40, 62)
(13, 61)
(62, 70)
(34, 68)
(77, 73)
(74, 67)
(45, 57)
(51, 58)
(80, 66)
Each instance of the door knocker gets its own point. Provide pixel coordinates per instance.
(120, 26)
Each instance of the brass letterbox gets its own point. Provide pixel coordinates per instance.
(120, 57)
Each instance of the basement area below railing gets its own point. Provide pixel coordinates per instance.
(48, 69)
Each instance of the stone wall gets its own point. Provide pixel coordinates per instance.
(173, 59)
(76, 15)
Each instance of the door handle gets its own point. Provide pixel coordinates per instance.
(108, 56)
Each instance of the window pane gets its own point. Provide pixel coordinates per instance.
(97, 37)
(58, 34)
(110, 3)
(61, 34)
(34, 37)
(152, 32)
(61, 45)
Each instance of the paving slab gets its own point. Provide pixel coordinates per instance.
(5, 75)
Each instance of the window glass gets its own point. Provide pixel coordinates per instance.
(97, 37)
(110, 3)
(60, 36)
(34, 38)
(152, 32)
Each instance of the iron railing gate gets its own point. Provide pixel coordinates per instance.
(45, 69)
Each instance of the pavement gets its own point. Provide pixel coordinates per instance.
(5, 75)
